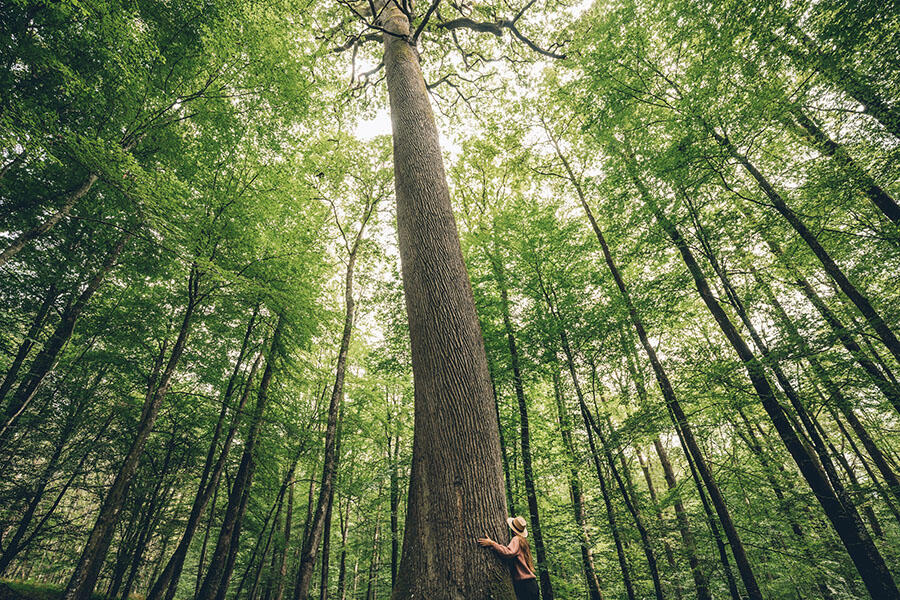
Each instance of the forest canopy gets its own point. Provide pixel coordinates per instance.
(300, 299)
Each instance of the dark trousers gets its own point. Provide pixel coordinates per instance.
(527, 589)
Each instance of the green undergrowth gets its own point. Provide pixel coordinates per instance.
(29, 590)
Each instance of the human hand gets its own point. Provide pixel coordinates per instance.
(485, 541)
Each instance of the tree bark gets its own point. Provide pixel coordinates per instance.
(456, 486)
(81, 584)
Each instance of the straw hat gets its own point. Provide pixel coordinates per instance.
(517, 524)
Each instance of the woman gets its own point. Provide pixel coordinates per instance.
(519, 554)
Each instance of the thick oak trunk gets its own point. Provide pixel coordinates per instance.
(456, 488)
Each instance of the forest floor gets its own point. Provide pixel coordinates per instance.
(20, 590)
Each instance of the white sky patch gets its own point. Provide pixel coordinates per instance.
(380, 124)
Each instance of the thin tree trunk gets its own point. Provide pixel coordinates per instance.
(167, 583)
(819, 139)
(852, 84)
(282, 560)
(872, 316)
(47, 358)
(81, 584)
(835, 396)
(668, 392)
(342, 568)
(456, 486)
(35, 232)
(222, 559)
(667, 547)
(525, 435)
(587, 555)
(890, 390)
(330, 460)
(28, 342)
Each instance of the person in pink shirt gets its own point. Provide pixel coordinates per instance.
(518, 553)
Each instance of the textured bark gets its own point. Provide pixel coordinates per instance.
(525, 435)
(46, 359)
(222, 560)
(587, 555)
(859, 545)
(456, 486)
(81, 584)
(167, 582)
(342, 566)
(871, 315)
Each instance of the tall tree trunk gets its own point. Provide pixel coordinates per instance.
(859, 545)
(281, 572)
(393, 455)
(667, 547)
(342, 566)
(701, 584)
(46, 359)
(835, 396)
(646, 546)
(668, 392)
(871, 315)
(587, 555)
(525, 435)
(222, 559)
(456, 485)
(166, 584)
(510, 500)
(81, 584)
(710, 517)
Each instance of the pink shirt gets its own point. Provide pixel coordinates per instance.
(516, 554)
